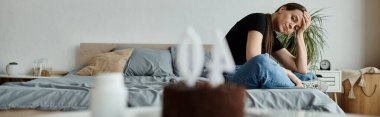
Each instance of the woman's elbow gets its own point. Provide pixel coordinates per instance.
(302, 71)
(249, 56)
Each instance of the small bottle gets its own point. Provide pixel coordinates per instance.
(108, 96)
(35, 66)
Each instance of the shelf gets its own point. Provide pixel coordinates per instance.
(28, 76)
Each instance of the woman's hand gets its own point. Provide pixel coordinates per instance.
(306, 22)
(299, 84)
(293, 77)
(297, 81)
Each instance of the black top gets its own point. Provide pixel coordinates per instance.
(237, 36)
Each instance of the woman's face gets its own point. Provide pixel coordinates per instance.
(288, 21)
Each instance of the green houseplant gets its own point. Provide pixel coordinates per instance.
(314, 37)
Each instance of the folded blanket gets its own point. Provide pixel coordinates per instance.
(353, 75)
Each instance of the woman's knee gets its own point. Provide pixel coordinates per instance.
(262, 59)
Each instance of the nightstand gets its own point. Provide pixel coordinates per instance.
(21, 78)
(333, 79)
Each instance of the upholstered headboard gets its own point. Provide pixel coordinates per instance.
(88, 50)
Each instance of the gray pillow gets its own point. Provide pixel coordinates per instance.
(207, 60)
(149, 62)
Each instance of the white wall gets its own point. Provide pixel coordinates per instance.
(31, 29)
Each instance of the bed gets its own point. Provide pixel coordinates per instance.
(71, 92)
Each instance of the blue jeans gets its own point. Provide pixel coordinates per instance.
(261, 72)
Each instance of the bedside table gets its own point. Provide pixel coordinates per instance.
(333, 79)
(21, 78)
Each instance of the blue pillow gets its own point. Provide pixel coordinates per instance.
(149, 62)
(207, 60)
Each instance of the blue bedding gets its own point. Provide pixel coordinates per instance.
(72, 93)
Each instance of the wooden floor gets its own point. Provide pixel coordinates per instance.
(24, 113)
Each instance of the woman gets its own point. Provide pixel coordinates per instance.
(253, 39)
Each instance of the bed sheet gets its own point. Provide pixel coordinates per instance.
(72, 93)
